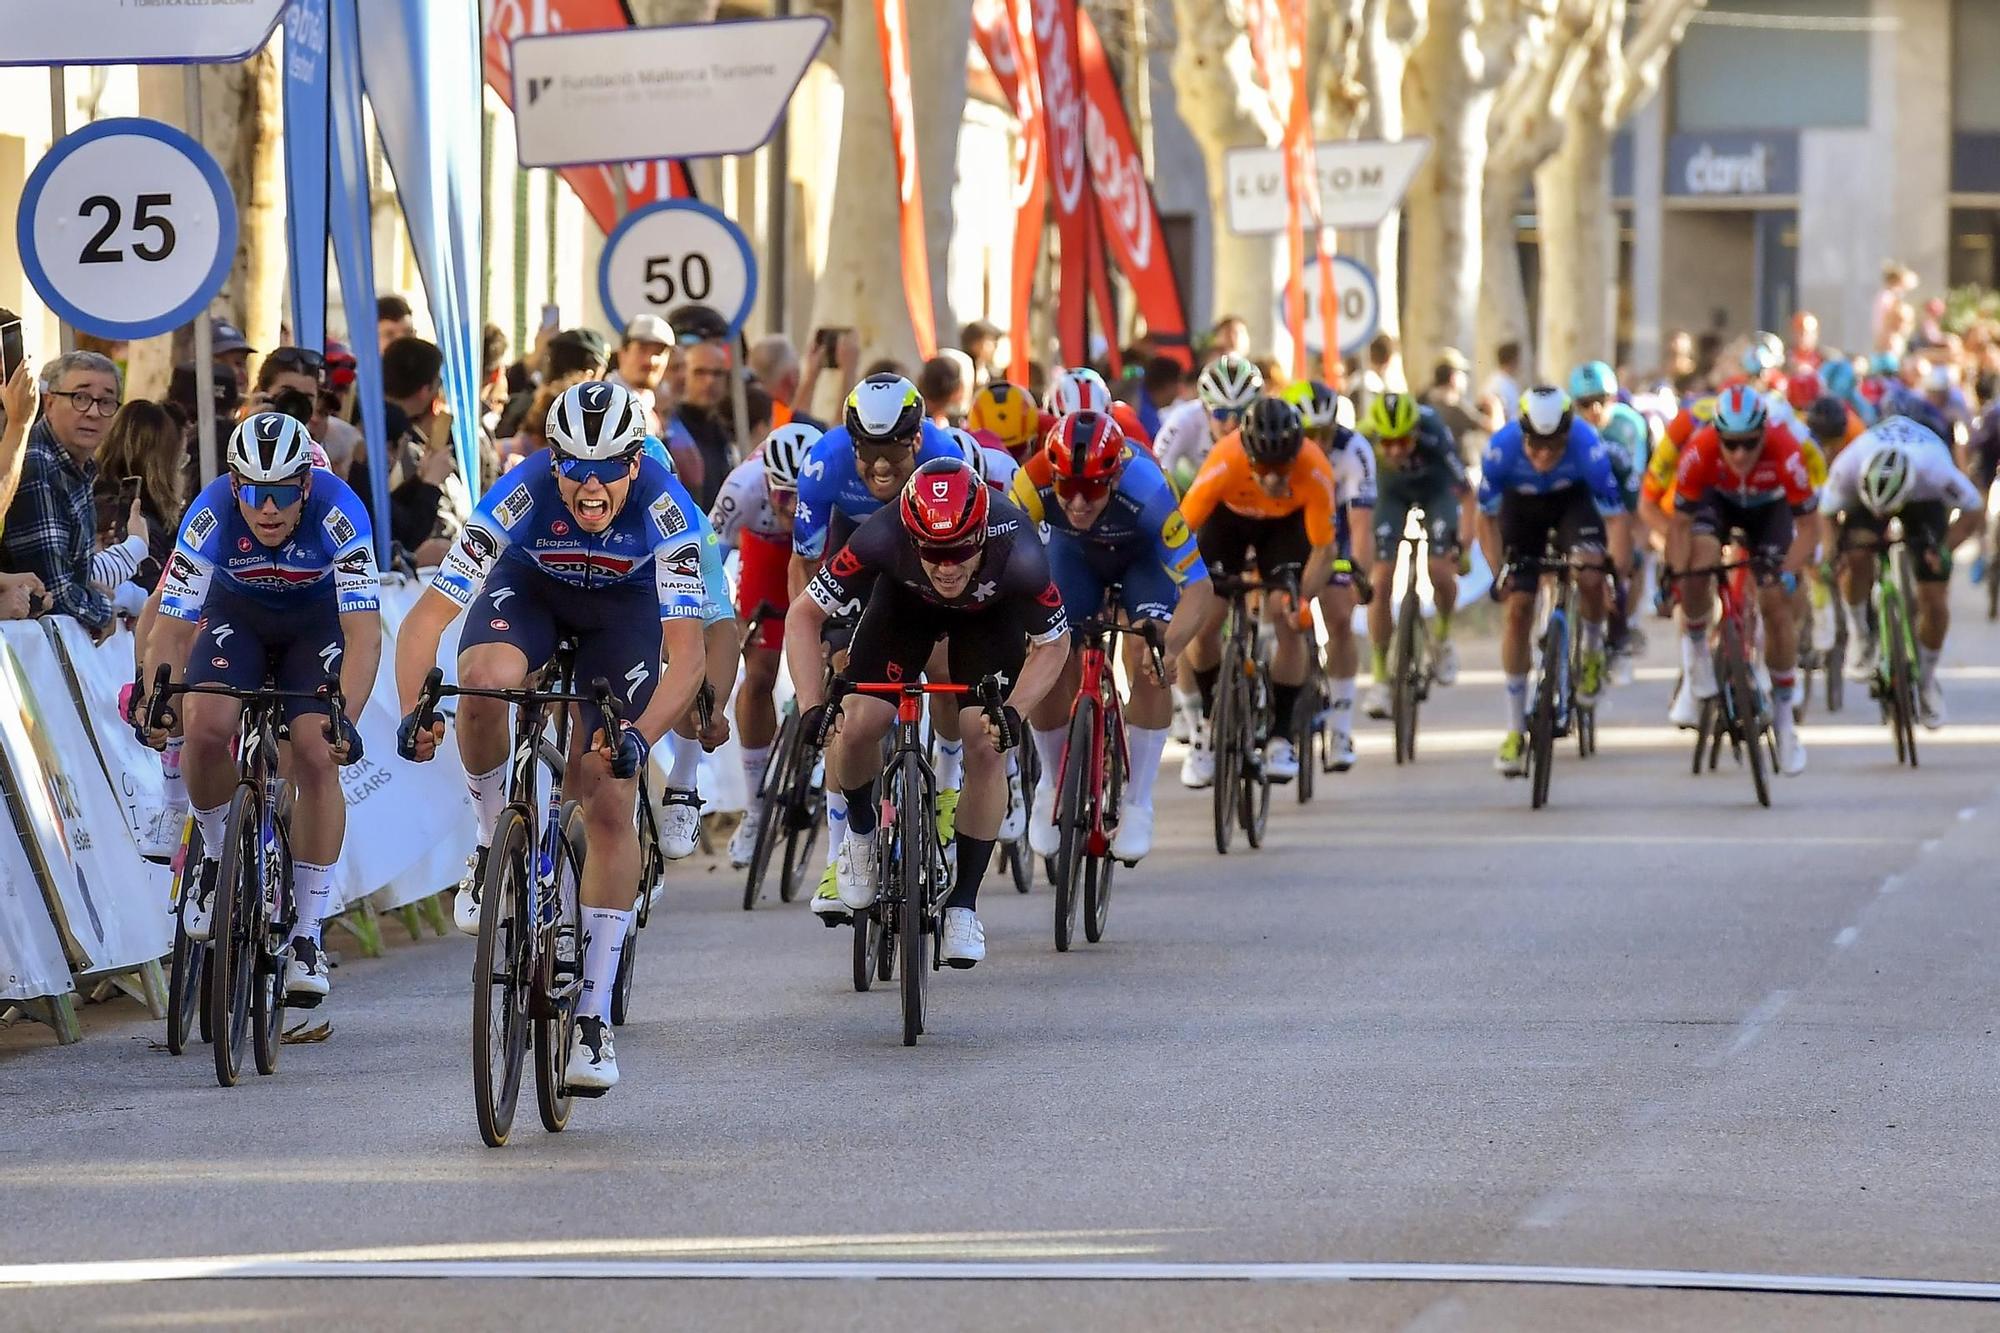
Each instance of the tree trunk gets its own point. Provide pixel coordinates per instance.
(1391, 29)
(1503, 292)
(1578, 245)
(264, 247)
(1445, 97)
(940, 37)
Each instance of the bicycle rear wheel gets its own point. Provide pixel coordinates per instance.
(1223, 746)
(862, 948)
(804, 811)
(1308, 726)
(267, 991)
(1902, 681)
(1741, 713)
(1097, 877)
(914, 831)
(233, 943)
(184, 988)
(1077, 816)
(1407, 670)
(553, 1025)
(771, 798)
(1542, 722)
(500, 979)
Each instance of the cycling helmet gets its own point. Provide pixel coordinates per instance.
(1803, 390)
(1827, 418)
(1740, 412)
(1390, 416)
(1077, 391)
(1318, 404)
(1272, 432)
(1886, 480)
(1545, 412)
(969, 449)
(1765, 353)
(1007, 411)
(1086, 446)
(784, 451)
(944, 507)
(1229, 383)
(268, 447)
(884, 409)
(1939, 380)
(1343, 412)
(596, 421)
(1593, 379)
(1837, 377)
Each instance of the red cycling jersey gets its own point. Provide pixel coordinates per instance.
(1778, 474)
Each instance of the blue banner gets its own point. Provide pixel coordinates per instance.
(350, 223)
(420, 62)
(307, 90)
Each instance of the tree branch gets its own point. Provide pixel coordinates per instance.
(1660, 32)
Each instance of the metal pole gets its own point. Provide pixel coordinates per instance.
(58, 127)
(204, 336)
(778, 162)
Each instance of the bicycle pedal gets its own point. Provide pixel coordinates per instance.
(303, 1001)
(961, 964)
(591, 1094)
(830, 921)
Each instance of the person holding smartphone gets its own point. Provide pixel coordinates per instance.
(21, 595)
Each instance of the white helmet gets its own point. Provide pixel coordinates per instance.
(1229, 384)
(1886, 480)
(1544, 412)
(971, 450)
(268, 447)
(596, 421)
(1343, 412)
(1077, 391)
(784, 452)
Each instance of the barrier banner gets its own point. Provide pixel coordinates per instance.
(1005, 32)
(1062, 103)
(351, 224)
(308, 93)
(98, 672)
(31, 955)
(892, 30)
(105, 905)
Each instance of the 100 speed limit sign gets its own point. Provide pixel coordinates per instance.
(127, 229)
(674, 253)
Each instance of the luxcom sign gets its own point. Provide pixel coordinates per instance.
(1360, 180)
(1727, 166)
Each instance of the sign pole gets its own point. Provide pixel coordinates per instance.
(58, 127)
(204, 336)
(778, 163)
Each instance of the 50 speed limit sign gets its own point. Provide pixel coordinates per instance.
(674, 253)
(127, 228)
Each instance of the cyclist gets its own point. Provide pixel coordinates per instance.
(855, 469)
(590, 539)
(1009, 411)
(1902, 469)
(1547, 475)
(1264, 488)
(1744, 471)
(1111, 520)
(273, 574)
(1081, 390)
(995, 466)
(1227, 386)
(1320, 411)
(1417, 469)
(949, 561)
(1593, 391)
(753, 514)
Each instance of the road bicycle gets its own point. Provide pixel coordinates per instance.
(1242, 714)
(1554, 710)
(1894, 687)
(1740, 711)
(1411, 672)
(250, 935)
(188, 972)
(791, 799)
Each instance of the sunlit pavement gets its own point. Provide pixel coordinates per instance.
(1650, 1027)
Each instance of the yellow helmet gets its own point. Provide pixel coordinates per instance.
(1010, 413)
(1390, 416)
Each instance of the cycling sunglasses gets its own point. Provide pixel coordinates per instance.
(1226, 416)
(605, 470)
(894, 449)
(302, 359)
(962, 554)
(1743, 444)
(1077, 488)
(284, 494)
(1593, 400)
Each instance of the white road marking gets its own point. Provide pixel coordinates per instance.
(1667, 675)
(250, 1267)
(1754, 1023)
(1891, 884)
(1846, 937)
(1612, 735)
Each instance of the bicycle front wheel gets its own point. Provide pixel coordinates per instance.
(770, 800)
(274, 952)
(1407, 672)
(1076, 816)
(234, 941)
(913, 859)
(500, 979)
(1742, 712)
(1225, 747)
(1542, 722)
(560, 962)
(184, 989)
(1097, 880)
(1255, 804)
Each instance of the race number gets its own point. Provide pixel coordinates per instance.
(677, 252)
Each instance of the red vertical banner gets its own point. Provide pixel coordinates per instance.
(1069, 178)
(1006, 35)
(1302, 176)
(892, 28)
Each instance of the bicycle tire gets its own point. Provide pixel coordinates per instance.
(232, 951)
(188, 964)
(1097, 879)
(772, 798)
(1077, 815)
(862, 949)
(1223, 748)
(1704, 719)
(1020, 857)
(1542, 722)
(1305, 726)
(805, 815)
(1903, 688)
(1407, 671)
(1835, 667)
(1742, 714)
(267, 990)
(1992, 577)
(557, 1018)
(1255, 805)
(914, 831)
(500, 972)
(628, 971)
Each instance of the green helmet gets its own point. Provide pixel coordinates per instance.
(1390, 416)
(1318, 404)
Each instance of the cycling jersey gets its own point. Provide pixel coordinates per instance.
(1432, 461)
(1140, 542)
(1227, 481)
(1778, 475)
(1658, 486)
(1626, 431)
(744, 505)
(1934, 476)
(1353, 460)
(830, 483)
(1182, 441)
(1585, 465)
(330, 552)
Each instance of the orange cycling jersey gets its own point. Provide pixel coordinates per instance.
(1227, 479)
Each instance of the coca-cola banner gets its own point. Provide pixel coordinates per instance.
(892, 28)
(597, 187)
(1006, 35)
(1063, 108)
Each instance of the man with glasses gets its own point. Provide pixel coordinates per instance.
(704, 413)
(1188, 430)
(51, 528)
(1547, 474)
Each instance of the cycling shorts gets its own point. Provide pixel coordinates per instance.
(616, 628)
(1083, 570)
(1435, 497)
(1924, 524)
(1526, 522)
(899, 629)
(764, 563)
(1767, 530)
(243, 643)
(1233, 543)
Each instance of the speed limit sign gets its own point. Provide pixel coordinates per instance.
(1359, 302)
(127, 228)
(674, 253)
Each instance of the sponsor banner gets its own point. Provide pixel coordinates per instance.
(308, 93)
(134, 32)
(892, 29)
(350, 225)
(1069, 179)
(1302, 183)
(99, 672)
(1006, 35)
(31, 954)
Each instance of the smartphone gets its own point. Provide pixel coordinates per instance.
(12, 352)
(551, 317)
(827, 342)
(128, 491)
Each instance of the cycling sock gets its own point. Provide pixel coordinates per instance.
(950, 765)
(489, 798)
(1593, 636)
(755, 762)
(1146, 745)
(312, 893)
(1284, 709)
(836, 823)
(1378, 662)
(1442, 629)
(1204, 679)
(974, 854)
(1049, 749)
(861, 809)
(1857, 618)
(1927, 661)
(603, 944)
(1343, 707)
(686, 752)
(1696, 631)
(1784, 689)
(214, 826)
(172, 785)
(1517, 703)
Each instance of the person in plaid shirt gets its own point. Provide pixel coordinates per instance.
(51, 526)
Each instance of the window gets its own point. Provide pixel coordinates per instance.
(1773, 65)
(1975, 54)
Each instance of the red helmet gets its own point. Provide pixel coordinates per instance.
(1127, 417)
(1803, 389)
(1086, 447)
(944, 508)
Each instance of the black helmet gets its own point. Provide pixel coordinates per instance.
(1827, 418)
(1272, 431)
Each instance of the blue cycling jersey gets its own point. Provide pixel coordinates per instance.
(524, 521)
(1585, 461)
(331, 550)
(1142, 517)
(830, 483)
(717, 603)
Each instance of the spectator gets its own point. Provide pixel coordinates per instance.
(774, 364)
(533, 434)
(17, 413)
(393, 320)
(231, 349)
(143, 445)
(493, 390)
(1383, 374)
(1160, 387)
(51, 527)
(421, 462)
(1450, 380)
(569, 353)
(846, 366)
(981, 341)
(337, 436)
(1505, 382)
(1897, 283)
(704, 414)
(642, 364)
(1230, 336)
(303, 371)
(942, 384)
(1930, 330)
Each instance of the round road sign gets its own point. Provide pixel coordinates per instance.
(674, 253)
(1354, 290)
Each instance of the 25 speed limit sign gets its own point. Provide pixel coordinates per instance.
(127, 229)
(677, 252)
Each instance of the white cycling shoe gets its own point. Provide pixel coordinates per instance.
(743, 842)
(465, 904)
(198, 911)
(1015, 821)
(1930, 704)
(857, 870)
(1135, 833)
(1791, 754)
(1444, 662)
(680, 825)
(964, 938)
(1281, 761)
(826, 904)
(306, 973)
(1376, 703)
(1198, 765)
(1043, 835)
(593, 1061)
(1344, 757)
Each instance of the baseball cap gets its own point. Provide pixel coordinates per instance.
(576, 349)
(649, 329)
(697, 323)
(181, 389)
(227, 338)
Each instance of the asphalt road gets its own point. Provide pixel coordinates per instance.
(1652, 1027)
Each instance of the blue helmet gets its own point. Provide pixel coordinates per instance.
(1593, 379)
(1837, 378)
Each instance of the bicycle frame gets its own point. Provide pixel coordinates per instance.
(1099, 681)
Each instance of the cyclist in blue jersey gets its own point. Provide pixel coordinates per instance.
(588, 539)
(1593, 389)
(273, 576)
(1547, 474)
(1112, 519)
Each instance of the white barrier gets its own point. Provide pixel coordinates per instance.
(99, 671)
(31, 955)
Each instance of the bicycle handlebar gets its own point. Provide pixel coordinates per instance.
(987, 692)
(435, 690)
(161, 717)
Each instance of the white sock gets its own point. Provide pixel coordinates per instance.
(489, 798)
(1857, 618)
(754, 763)
(1517, 703)
(214, 828)
(1146, 745)
(172, 785)
(1927, 663)
(687, 758)
(836, 822)
(312, 890)
(950, 766)
(1049, 746)
(1593, 636)
(1343, 707)
(603, 944)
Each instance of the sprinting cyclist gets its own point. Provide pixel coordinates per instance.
(1111, 520)
(1901, 469)
(1593, 391)
(1321, 409)
(1009, 411)
(589, 539)
(273, 571)
(1546, 475)
(952, 563)
(1227, 386)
